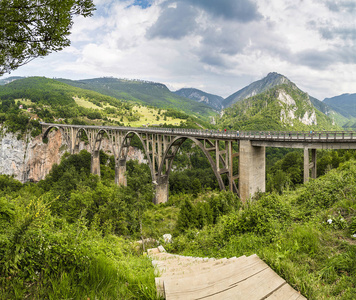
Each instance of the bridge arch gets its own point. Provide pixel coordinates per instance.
(171, 152)
(120, 161)
(64, 133)
(98, 139)
(77, 137)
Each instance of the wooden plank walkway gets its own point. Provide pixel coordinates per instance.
(246, 278)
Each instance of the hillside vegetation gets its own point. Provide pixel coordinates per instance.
(345, 104)
(145, 93)
(282, 107)
(25, 102)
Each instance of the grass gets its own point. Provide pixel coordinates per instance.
(25, 101)
(85, 103)
(148, 116)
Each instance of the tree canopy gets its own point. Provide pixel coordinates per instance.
(34, 28)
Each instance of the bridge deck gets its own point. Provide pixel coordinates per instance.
(235, 278)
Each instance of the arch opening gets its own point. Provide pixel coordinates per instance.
(171, 153)
(120, 161)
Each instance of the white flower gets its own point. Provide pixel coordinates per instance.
(167, 238)
(329, 221)
(354, 235)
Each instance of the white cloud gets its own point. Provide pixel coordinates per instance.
(201, 44)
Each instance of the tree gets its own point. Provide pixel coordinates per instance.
(35, 28)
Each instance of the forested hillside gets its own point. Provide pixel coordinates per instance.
(143, 92)
(282, 107)
(344, 104)
(25, 102)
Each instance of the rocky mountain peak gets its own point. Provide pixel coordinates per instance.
(271, 80)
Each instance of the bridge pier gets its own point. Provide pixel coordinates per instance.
(120, 173)
(252, 169)
(309, 165)
(95, 162)
(161, 190)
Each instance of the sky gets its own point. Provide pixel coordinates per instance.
(218, 46)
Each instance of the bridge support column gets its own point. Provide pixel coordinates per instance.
(252, 169)
(161, 190)
(309, 165)
(95, 162)
(120, 173)
(76, 149)
(314, 163)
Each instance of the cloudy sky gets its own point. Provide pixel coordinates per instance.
(218, 46)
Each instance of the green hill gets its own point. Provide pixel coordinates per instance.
(24, 102)
(145, 93)
(283, 107)
(51, 92)
(345, 104)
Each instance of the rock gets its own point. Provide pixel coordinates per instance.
(30, 159)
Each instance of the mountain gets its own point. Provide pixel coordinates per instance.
(213, 101)
(50, 92)
(327, 110)
(143, 92)
(50, 100)
(345, 104)
(9, 79)
(281, 107)
(271, 80)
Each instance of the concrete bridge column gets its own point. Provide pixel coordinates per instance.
(252, 169)
(120, 173)
(161, 190)
(73, 148)
(309, 165)
(76, 149)
(95, 162)
(313, 163)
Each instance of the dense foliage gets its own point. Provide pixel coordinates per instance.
(14, 120)
(30, 29)
(60, 238)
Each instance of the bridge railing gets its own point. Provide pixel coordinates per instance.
(299, 135)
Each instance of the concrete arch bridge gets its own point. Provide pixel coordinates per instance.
(221, 148)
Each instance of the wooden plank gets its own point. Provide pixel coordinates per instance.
(253, 288)
(286, 292)
(198, 269)
(236, 278)
(210, 283)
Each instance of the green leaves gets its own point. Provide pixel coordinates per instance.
(30, 29)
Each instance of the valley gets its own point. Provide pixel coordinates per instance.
(67, 233)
